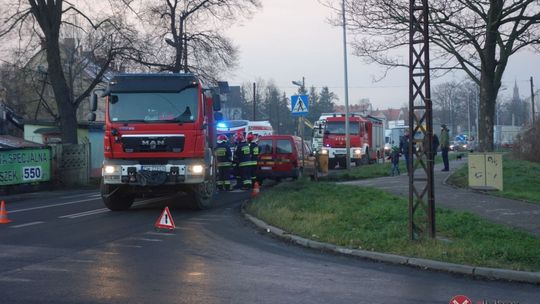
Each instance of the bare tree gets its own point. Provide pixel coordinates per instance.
(187, 35)
(475, 36)
(43, 21)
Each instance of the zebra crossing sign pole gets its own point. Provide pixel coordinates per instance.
(299, 108)
(299, 105)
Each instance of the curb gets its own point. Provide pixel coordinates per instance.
(476, 272)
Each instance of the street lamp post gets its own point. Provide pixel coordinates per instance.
(347, 137)
(302, 86)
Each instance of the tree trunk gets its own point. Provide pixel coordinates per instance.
(488, 97)
(64, 102)
(490, 82)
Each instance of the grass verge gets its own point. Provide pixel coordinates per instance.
(370, 219)
(521, 180)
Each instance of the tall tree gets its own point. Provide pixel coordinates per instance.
(50, 16)
(475, 36)
(187, 35)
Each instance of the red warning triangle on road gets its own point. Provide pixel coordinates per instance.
(165, 220)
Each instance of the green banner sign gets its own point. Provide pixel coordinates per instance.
(25, 166)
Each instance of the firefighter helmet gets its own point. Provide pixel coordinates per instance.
(222, 138)
(239, 137)
(250, 137)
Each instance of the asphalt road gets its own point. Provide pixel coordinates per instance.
(65, 247)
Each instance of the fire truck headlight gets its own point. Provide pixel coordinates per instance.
(196, 169)
(324, 151)
(110, 170)
(357, 151)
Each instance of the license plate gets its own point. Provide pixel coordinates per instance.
(340, 152)
(154, 168)
(266, 168)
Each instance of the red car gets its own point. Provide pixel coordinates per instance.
(280, 156)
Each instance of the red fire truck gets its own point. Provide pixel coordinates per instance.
(159, 135)
(366, 139)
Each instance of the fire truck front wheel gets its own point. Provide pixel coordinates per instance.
(201, 195)
(332, 163)
(115, 197)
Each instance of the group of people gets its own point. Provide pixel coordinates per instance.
(242, 163)
(403, 149)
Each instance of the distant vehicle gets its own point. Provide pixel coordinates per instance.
(280, 156)
(392, 137)
(231, 127)
(366, 138)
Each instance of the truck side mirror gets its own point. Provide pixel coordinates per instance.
(218, 116)
(93, 102)
(216, 106)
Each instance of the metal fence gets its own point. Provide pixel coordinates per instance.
(72, 164)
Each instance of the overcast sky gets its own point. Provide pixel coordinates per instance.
(289, 39)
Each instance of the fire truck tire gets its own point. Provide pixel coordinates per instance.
(201, 195)
(342, 163)
(115, 197)
(332, 164)
(365, 157)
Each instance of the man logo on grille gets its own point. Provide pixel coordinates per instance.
(152, 143)
(460, 299)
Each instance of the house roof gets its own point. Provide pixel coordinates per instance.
(392, 114)
(10, 142)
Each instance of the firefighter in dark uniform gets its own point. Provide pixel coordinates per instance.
(223, 155)
(254, 151)
(235, 167)
(242, 155)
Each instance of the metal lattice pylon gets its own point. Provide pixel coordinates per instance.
(421, 191)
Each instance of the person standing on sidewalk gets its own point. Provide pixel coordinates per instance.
(445, 145)
(404, 148)
(394, 158)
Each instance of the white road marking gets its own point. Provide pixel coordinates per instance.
(82, 194)
(103, 210)
(15, 280)
(145, 239)
(44, 268)
(159, 234)
(53, 205)
(126, 246)
(85, 213)
(26, 225)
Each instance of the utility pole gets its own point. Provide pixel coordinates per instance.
(532, 99)
(469, 115)
(254, 100)
(421, 184)
(347, 137)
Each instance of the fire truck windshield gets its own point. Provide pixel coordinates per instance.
(339, 128)
(155, 107)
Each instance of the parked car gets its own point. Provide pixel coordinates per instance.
(280, 156)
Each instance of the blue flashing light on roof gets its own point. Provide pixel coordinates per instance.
(221, 125)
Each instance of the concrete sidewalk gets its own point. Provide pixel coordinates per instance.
(514, 213)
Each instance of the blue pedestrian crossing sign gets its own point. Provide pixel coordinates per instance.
(299, 105)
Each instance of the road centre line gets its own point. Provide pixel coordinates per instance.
(27, 224)
(53, 205)
(92, 194)
(85, 213)
(102, 210)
